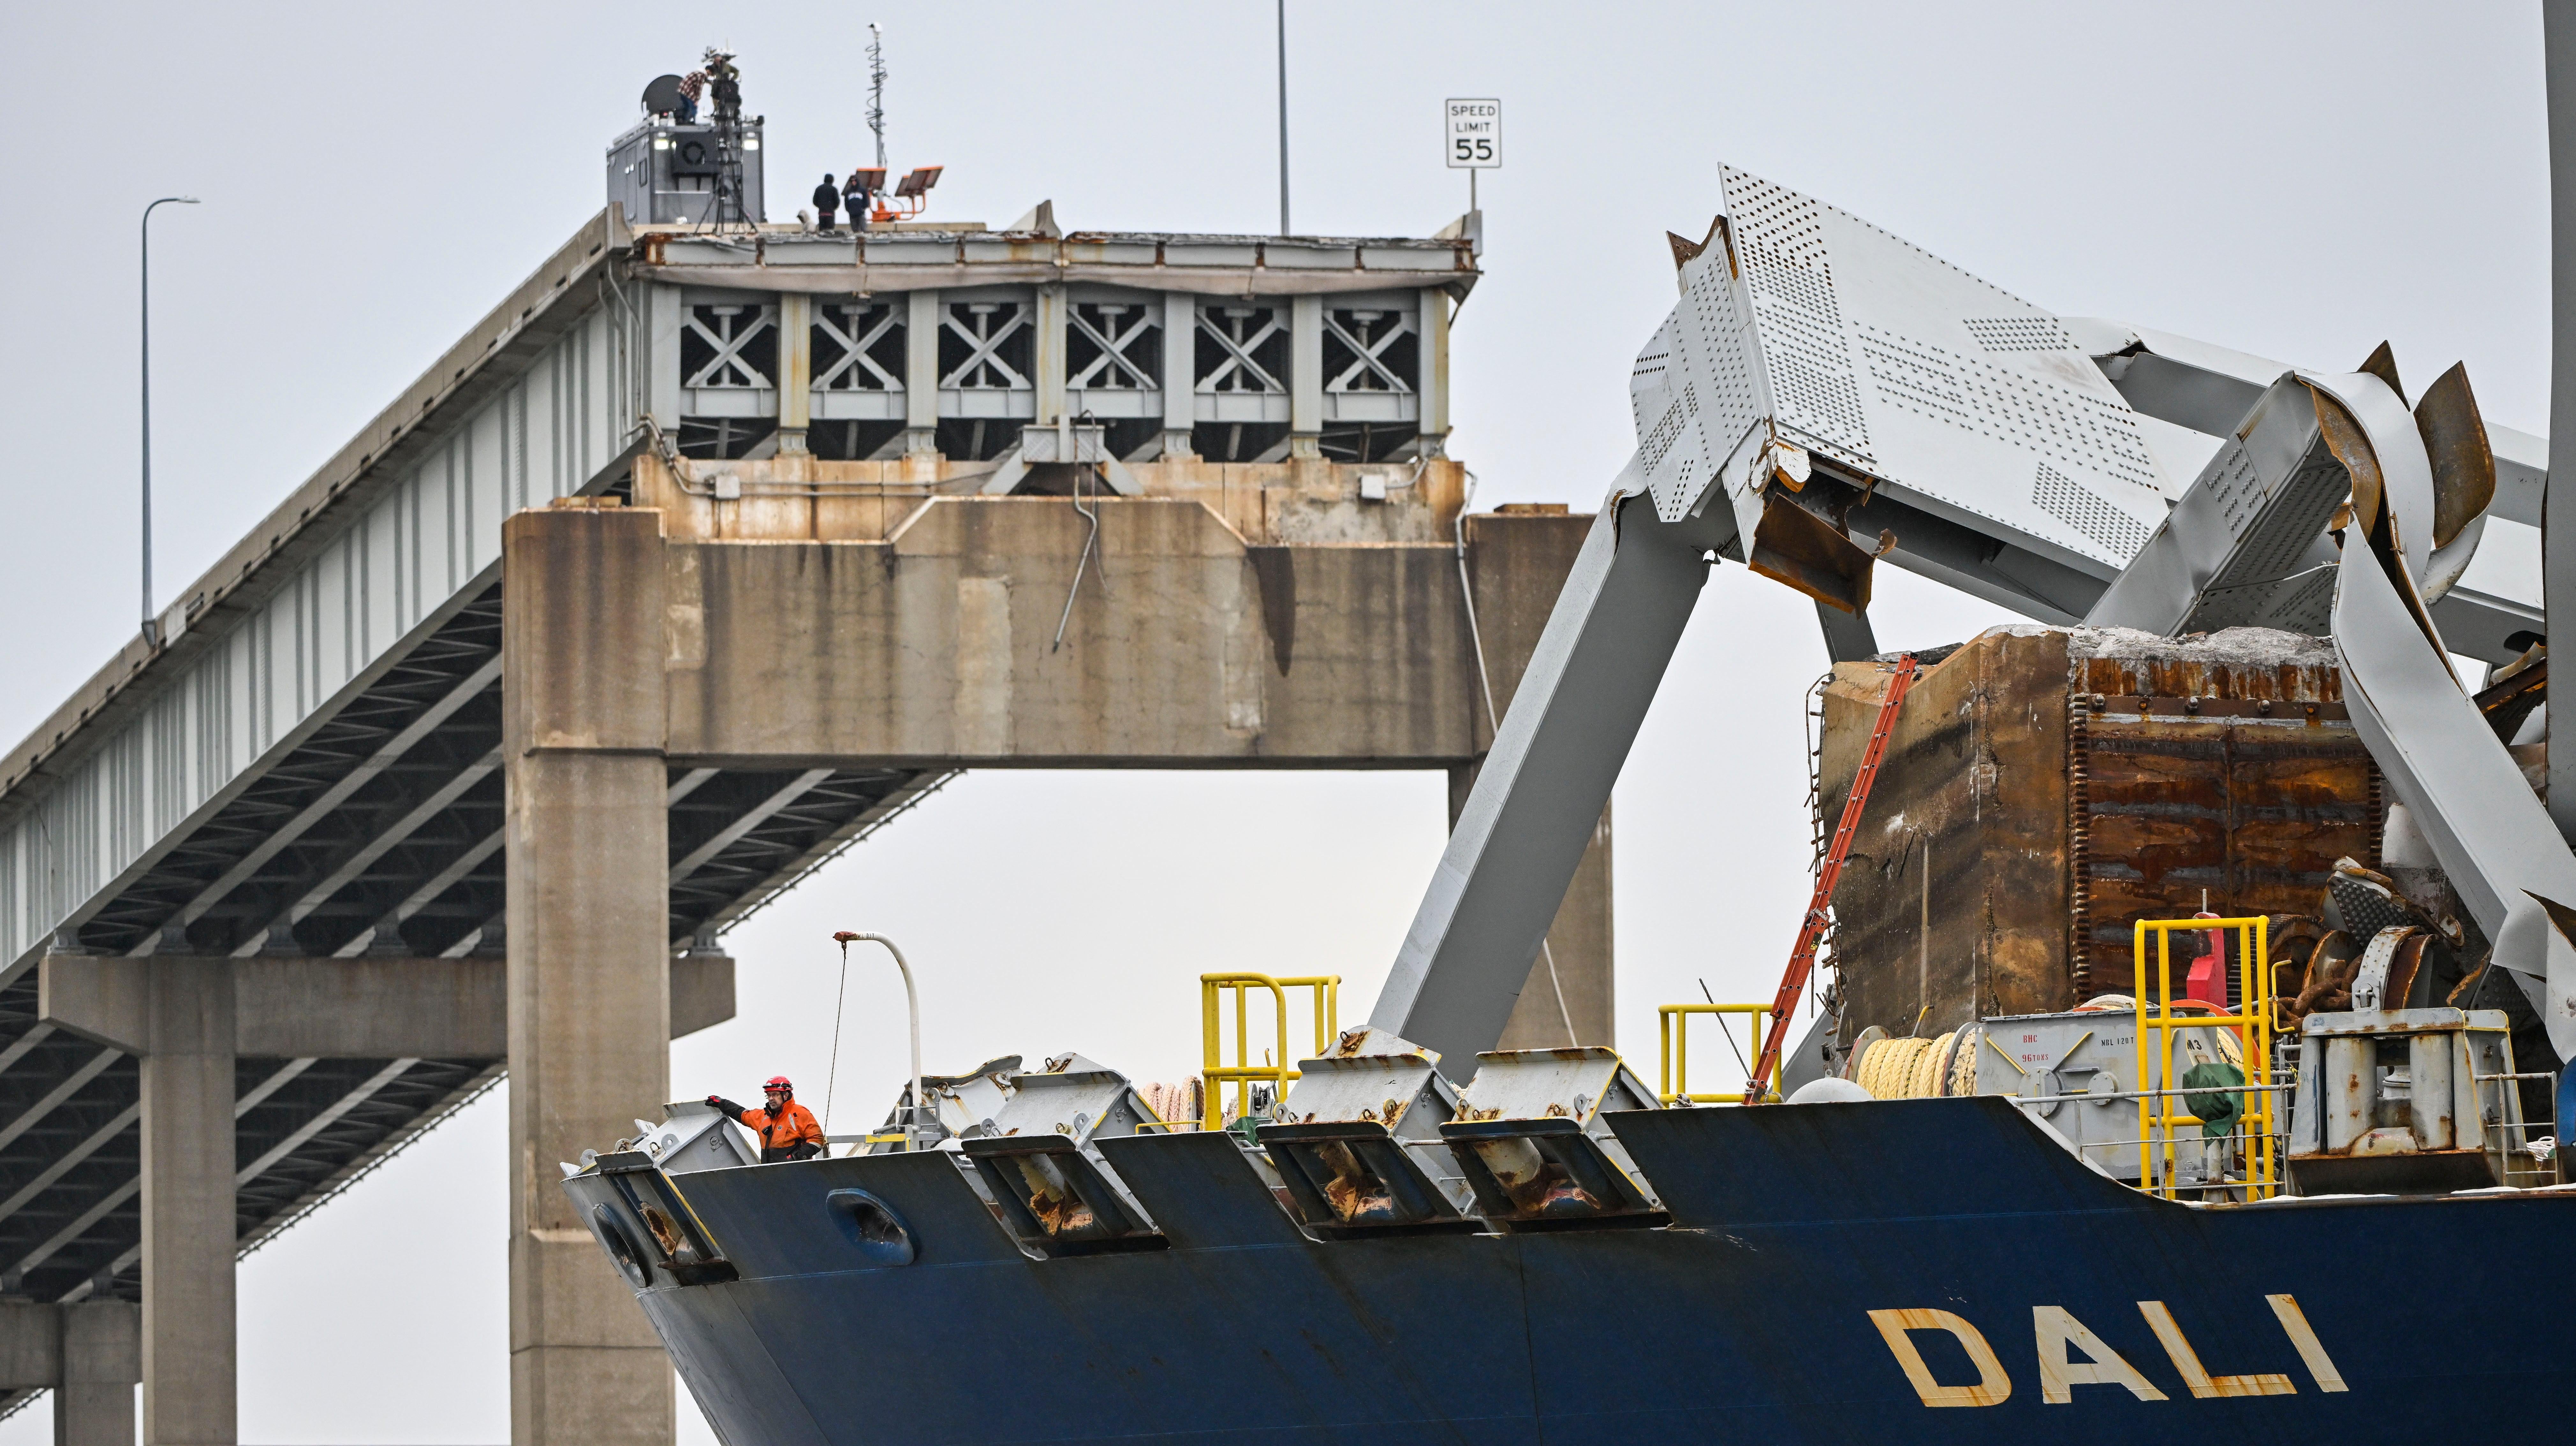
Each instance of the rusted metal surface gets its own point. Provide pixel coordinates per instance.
(2351, 446)
(1370, 1076)
(2254, 818)
(1352, 1179)
(799, 497)
(2139, 706)
(2508, 700)
(2455, 440)
(2079, 849)
(2061, 794)
(1973, 788)
(2232, 773)
(783, 258)
(1813, 924)
(1795, 546)
(1057, 1197)
(1549, 1173)
(1535, 1084)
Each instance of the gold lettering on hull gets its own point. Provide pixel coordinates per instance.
(2186, 1361)
(1992, 1384)
(2294, 1322)
(2060, 1339)
(2058, 1332)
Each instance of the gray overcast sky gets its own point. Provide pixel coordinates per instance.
(2298, 181)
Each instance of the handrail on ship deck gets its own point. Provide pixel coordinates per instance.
(1673, 1076)
(2254, 1030)
(1215, 1074)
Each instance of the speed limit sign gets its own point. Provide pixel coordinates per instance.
(1475, 135)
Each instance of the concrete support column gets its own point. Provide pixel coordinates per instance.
(1434, 383)
(795, 369)
(188, 1164)
(1047, 355)
(101, 1361)
(921, 373)
(589, 952)
(1306, 377)
(1180, 372)
(1516, 583)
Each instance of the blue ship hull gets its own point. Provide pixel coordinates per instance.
(1748, 1319)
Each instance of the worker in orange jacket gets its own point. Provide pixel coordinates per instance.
(786, 1129)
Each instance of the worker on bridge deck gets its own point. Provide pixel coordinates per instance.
(786, 1129)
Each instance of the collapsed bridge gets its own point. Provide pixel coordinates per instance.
(742, 542)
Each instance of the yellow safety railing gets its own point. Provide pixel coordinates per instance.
(1243, 1073)
(1673, 1024)
(2162, 1101)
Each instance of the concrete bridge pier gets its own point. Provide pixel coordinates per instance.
(189, 1348)
(89, 1354)
(589, 953)
(178, 1014)
(102, 1360)
(189, 1020)
(1517, 560)
(915, 630)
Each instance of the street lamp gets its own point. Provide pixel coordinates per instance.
(913, 1131)
(148, 626)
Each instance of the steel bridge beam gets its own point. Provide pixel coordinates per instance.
(358, 862)
(338, 793)
(752, 818)
(1542, 790)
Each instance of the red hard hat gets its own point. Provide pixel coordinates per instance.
(778, 1082)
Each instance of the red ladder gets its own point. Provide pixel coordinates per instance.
(1811, 931)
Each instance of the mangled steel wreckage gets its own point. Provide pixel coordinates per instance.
(2205, 946)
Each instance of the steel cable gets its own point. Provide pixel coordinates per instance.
(832, 1076)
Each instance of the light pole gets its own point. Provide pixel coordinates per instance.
(912, 1127)
(1282, 9)
(148, 628)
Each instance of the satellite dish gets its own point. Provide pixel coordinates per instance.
(663, 96)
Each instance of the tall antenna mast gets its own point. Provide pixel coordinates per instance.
(876, 87)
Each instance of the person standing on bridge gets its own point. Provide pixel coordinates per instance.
(786, 1129)
(856, 199)
(826, 197)
(724, 84)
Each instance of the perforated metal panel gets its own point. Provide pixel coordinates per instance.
(1798, 316)
(2018, 333)
(1694, 390)
(1889, 361)
(2271, 580)
(2079, 507)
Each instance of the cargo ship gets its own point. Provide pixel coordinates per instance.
(2194, 970)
